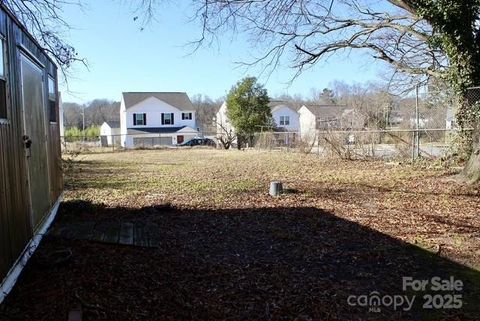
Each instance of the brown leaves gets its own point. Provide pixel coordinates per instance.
(226, 250)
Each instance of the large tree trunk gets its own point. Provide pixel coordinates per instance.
(470, 99)
(239, 142)
(471, 171)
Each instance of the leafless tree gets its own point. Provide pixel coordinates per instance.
(305, 31)
(96, 112)
(205, 110)
(226, 136)
(296, 100)
(326, 96)
(43, 18)
(302, 31)
(72, 113)
(372, 103)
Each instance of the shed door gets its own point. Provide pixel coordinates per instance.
(35, 130)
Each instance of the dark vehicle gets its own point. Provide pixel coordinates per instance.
(198, 142)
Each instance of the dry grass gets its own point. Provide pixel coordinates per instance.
(413, 203)
(226, 250)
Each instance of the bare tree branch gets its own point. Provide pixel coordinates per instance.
(302, 32)
(226, 136)
(43, 19)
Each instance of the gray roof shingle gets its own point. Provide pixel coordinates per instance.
(274, 103)
(113, 123)
(327, 111)
(178, 100)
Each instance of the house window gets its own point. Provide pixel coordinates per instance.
(186, 116)
(284, 120)
(3, 83)
(52, 100)
(167, 119)
(139, 119)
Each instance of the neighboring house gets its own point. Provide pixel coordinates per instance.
(287, 120)
(156, 118)
(284, 115)
(222, 122)
(326, 117)
(110, 133)
(307, 120)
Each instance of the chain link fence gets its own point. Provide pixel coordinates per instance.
(422, 123)
(345, 144)
(149, 140)
(386, 144)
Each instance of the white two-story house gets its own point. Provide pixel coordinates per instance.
(284, 115)
(150, 119)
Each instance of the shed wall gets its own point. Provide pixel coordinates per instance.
(15, 223)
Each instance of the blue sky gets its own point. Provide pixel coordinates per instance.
(122, 57)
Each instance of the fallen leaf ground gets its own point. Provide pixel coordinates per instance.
(226, 250)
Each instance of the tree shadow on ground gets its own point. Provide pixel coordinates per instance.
(235, 264)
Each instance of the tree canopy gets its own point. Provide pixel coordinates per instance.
(247, 107)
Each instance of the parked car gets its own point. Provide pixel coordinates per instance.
(198, 142)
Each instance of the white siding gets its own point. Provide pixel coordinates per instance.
(222, 120)
(113, 134)
(123, 123)
(154, 108)
(307, 122)
(283, 110)
(106, 130)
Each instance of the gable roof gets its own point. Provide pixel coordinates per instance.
(178, 100)
(327, 111)
(275, 103)
(113, 123)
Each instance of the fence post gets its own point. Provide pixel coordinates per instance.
(288, 142)
(318, 142)
(413, 146)
(417, 121)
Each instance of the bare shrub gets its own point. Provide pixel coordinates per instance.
(307, 142)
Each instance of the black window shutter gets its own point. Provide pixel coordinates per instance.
(144, 119)
(134, 119)
(172, 118)
(183, 116)
(163, 119)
